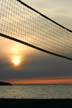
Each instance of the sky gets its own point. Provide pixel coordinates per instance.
(20, 63)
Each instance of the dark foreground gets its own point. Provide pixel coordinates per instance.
(36, 103)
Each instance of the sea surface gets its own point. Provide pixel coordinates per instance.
(36, 91)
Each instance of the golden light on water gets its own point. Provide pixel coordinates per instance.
(16, 60)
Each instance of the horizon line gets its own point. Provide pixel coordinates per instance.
(41, 81)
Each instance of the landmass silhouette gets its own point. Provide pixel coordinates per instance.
(4, 83)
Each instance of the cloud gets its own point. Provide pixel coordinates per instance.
(44, 68)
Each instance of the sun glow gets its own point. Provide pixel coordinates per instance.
(16, 60)
(16, 54)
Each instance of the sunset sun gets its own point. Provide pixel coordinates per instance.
(16, 60)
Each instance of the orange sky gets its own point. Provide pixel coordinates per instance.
(37, 81)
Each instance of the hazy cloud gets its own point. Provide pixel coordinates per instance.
(46, 67)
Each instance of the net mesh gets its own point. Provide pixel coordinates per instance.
(20, 22)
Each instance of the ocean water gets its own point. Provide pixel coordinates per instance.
(36, 91)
